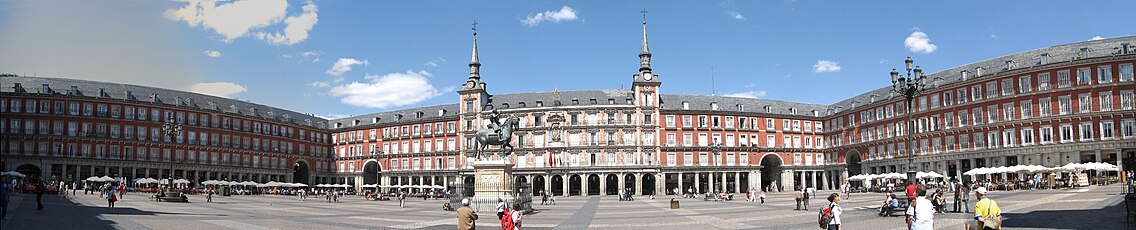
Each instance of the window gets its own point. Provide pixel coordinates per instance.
(1066, 133)
(670, 121)
(1106, 130)
(1008, 111)
(1063, 79)
(670, 139)
(1044, 107)
(1024, 84)
(961, 92)
(1007, 87)
(1104, 74)
(687, 159)
(1105, 101)
(1046, 133)
(1126, 100)
(1083, 76)
(1042, 81)
(687, 139)
(1086, 131)
(1127, 128)
(1125, 72)
(702, 121)
(1063, 103)
(976, 93)
(1026, 109)
(796, 159)
(671, 159)
(686, 121)
(1084, 103)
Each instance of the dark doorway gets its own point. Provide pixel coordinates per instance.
(648, 184)
(301, 172)
(629, 182)
(371, 172)
(771, 172)
(538, 185)
(611, 185)
(593, 185)
(574, 185)
(557, 186)
(29, 170)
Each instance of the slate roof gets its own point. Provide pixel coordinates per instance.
(748, 105)
(1027, 59)
(62, 86)
(402, 115)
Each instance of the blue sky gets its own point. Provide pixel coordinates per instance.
(412, 53)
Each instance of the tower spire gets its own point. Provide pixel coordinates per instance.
(474, 64)
(645, 54)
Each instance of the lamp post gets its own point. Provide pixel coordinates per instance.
(716, 148)
(172, 130)
(909, 85)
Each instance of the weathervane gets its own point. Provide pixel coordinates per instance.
(475, 27)
(644, 11)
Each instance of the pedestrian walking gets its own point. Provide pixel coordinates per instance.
(834, 207)
(209, 196)
(467, 217)
(3, 201)
(543, 197)
(959, 190)
(516, 215)
(987, 214)
(38, 183)
(966, 198)
(910, 189)
(921, 212)
(500, 208)
(401, 200)
(111, 197)
(762, 197)
(805, 198)
(552, 198)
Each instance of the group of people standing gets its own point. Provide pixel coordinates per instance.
(921, 207)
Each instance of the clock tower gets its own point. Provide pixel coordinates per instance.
(645, 85)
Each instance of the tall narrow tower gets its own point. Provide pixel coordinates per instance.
(473, 98)
(645, 88)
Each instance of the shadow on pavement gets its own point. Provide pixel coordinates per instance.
(1108, 217)
(62, 213)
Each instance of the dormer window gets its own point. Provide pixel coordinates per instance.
(685, 105)
(593, 101)
(965, 74)
(611, 101)
(308, 121)
(816, 113)
(441, 112)
(793, 111)
(504, 105)
(338, 125)
(768, 109)
(375, 120)
(539, 104)
(741, 108)
(74, 90)
(355, 122)
(420, 114)
(520, 104)
(398, 117)
(1010, 65)
(872, 99)
(978, 71)
(713, 105)
(1044, 59)
(575, 101)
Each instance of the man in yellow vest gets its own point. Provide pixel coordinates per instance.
(985, 210)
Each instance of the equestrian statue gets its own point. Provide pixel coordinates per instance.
(497, 133)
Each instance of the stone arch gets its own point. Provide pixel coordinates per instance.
(771, 164)
(611, 184)
(852, 161)
(372, 171)
(574, 183)
(29, 170)
(557, 185)
(593, 184)
(648, 184)
(538, 184)
(301, 171)
(629, 182)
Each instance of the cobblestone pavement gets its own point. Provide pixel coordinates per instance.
(1088, 208)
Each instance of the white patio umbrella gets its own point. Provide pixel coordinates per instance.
(13, 173)
(438, 187)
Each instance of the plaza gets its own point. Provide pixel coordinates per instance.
(1095, 207)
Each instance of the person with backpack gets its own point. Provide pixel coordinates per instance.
(987, 214)
(920, 212)
(500, 209)
(829, 217)
(805, 197)
(516, 215)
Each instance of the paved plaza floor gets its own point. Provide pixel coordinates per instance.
(1087, 208)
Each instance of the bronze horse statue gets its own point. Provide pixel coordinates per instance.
(490, 136)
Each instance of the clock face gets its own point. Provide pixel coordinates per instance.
(647, 76)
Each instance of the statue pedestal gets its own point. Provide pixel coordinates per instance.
(492, 181)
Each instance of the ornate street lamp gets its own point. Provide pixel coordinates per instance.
(172, 130)
(716, 148)
(909, 86)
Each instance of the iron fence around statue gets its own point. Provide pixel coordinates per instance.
(487, 200)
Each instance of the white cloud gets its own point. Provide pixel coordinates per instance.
(1096, 38)
(344, 65)
(235, 19)
(883, 61)
(213, 53)
(735, 15)
(748, 94)
(750, 85)
(995, 36)
(390, 90)
(564, 14)
(296, 28)
(220, 89)
(431, 64)
(826, 66)
(919, 42)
